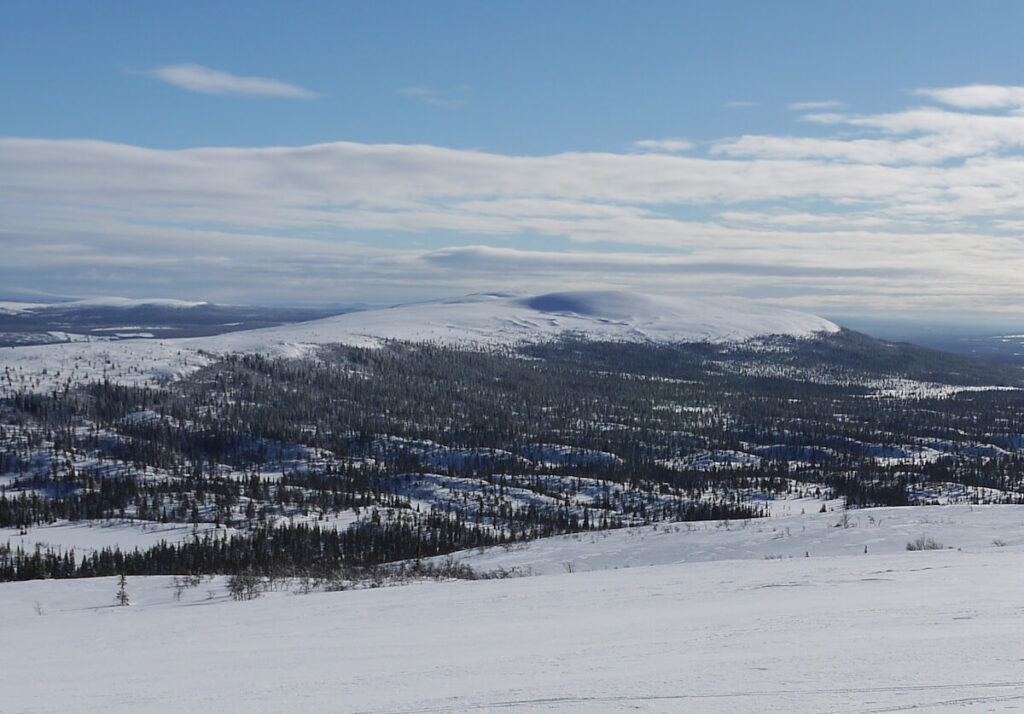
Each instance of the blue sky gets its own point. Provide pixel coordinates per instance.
(858, 158)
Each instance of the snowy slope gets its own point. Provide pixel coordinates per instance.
(498, 319)
(8, 307)
(142, 361)
(934, 631)
(795, 530)
(477, 320)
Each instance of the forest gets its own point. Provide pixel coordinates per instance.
(358, 456)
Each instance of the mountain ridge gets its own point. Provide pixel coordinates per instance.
(503, 319)
(142, 352)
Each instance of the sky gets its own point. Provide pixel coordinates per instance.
(844, 158)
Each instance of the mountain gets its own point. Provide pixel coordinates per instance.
(139, 341)
(111, 319)
(480, 320)
(658, 432)
(501, 319)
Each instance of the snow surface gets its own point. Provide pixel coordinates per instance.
(144, 361)
(888, 631)
(86, 536)
(11, 307)
(787, 534)
(899, 388)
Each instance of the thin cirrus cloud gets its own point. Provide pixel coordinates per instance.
(915, 209)
(196, 78)
(669, 145)
(449, 99)
(812, 106)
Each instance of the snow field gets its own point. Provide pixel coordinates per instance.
(724, 621)
(788, 534)
(927, 630)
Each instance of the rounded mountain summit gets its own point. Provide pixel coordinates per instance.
(505, 319)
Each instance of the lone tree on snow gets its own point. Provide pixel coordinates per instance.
(122, 592)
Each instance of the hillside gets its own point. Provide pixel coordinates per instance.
(250, 452)
(361, 456)
(115, 319)
(499, 319)
(891, 630)
(145, 348)
(583, 437)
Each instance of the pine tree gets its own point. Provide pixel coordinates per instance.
(122, 592)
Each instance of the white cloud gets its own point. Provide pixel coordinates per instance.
(930, 149)
(821, 222)
(666, 145)
(196, 78)
(809, 106)
(977, 96)
(917, 207)
(390, 176)
(926, 135)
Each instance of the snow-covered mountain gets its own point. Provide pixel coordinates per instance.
(16, 307)
(502, 319)
(141, 352)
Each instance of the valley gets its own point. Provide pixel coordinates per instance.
(304, 458)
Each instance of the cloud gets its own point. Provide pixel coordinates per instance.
(492, 260)
(919, 207)
(925, 135)
(930, 149)
(351, 176)
(667, 145)
(196, 78)
(808, 106)
(449, 99)
(977, 96)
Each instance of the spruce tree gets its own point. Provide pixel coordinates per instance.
(122, 591)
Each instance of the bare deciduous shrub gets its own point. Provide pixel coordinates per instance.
(245, 586)
(924, 543)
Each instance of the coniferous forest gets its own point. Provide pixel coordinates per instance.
(358, 457)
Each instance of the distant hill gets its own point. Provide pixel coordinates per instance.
(503, 319)
(26, 323)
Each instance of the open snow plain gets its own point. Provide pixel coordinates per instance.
(744, 630)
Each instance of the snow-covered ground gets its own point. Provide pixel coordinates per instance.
(87, 536)
(912, 389)
(890, 630)
(476, 320)
(796, 530)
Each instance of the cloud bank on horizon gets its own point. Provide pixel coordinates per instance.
(915, 210)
